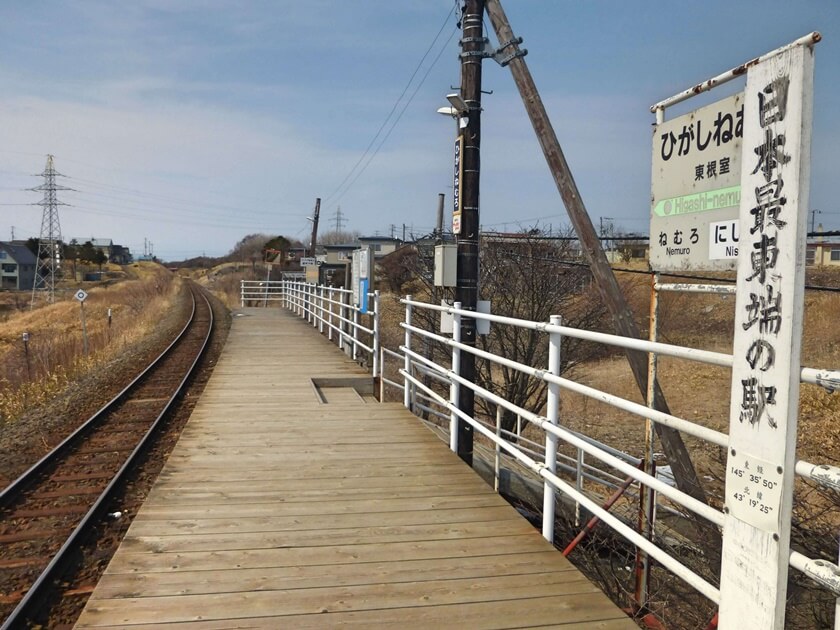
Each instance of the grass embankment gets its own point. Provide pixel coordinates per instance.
(55, 355)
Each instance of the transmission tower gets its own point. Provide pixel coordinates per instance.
(338, 220)
(48, 266)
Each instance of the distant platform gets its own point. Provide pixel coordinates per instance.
(295, 500)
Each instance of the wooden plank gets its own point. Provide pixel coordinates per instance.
(283, 578)
(317, 601)
(148, 527)
(333, 508)
(182, 543)
(325, 555)
(478, 616)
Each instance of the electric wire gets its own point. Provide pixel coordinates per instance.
(396, 104)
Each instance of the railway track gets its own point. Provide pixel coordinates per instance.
(45, 512)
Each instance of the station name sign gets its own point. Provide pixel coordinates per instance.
(695, 188)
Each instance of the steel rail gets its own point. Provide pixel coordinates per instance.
(32, 595)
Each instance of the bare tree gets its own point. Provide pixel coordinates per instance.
(339, 237)
(531, 276)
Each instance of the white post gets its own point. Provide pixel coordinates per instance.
(768, 338)
(375, 333)
(497, 462)
(321, 309)
(381, 379)
(330, 327)
(407, 362)
(552, 415)
(454, 395)
(578, 483)
(313, 305)
(341, 320)
(355, 331)
(242, 294)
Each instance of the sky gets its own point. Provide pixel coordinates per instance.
(192, 123)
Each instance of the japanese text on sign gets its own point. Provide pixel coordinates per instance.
(764, 309)
(754, 491)
(695, 183)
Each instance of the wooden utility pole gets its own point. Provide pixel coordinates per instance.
(466, 291)
(623, 321)
(314, 240)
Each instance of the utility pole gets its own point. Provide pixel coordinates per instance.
(466, 290)
(314, 240)
(48, 265)
(814, 212)
(672, 443)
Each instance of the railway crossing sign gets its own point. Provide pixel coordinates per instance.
(81, 295)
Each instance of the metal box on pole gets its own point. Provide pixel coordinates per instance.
(446, 265)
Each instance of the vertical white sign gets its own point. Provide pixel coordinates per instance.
(768, 334)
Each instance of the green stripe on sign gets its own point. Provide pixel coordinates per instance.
(699, 202)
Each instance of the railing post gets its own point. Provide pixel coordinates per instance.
(321, 309)
(355, 332)
(454, 387)
(330, 327)
(242, 294)
(341, 314)
(375, 333)
(407, 364)
(552, 413)
(313, 305)
(497, 462)
(381, 379)
(578, 483)
(646, 494)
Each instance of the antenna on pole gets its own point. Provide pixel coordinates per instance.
(48, 265)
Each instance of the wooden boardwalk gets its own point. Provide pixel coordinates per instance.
(279, 510)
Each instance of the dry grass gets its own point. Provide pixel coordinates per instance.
(55, 353)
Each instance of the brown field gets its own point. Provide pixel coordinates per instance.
(33, 373)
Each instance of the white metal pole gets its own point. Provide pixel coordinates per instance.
(321, 309)
(242, 294)
(341, 316)
(454, 387)
(355, 332)
(578, 483)
(407, 363)
(381, 379)
(498, 459)
(330, 327)
(647, 496)
(552, 415)
(376, 342)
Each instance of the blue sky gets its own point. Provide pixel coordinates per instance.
(196, 122)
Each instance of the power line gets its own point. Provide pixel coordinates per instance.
(647, 272)
(393, 109)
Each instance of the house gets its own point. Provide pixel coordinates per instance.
(120, 255)
(823, 250)
(116, 254)
(381, 245)
(17, 266)
(337, 254)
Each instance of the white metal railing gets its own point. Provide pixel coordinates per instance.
(260, 292)
(544, 462)
(332, 312)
